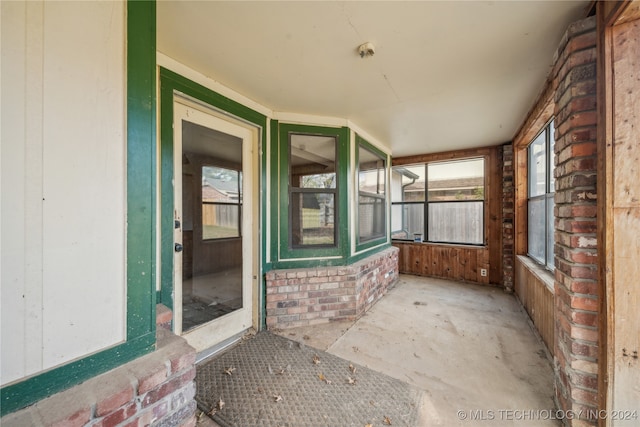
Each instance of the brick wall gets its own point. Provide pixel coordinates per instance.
(157, 389)
(309, 296)
(576, 284)
(508, 200)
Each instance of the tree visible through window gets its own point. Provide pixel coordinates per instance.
(221, 202)
(439, 202)
(312, 190)
(541, 192)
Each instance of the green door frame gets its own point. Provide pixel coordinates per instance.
(172, 83)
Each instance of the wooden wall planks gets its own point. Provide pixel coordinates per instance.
(537, 297)
(460, 263)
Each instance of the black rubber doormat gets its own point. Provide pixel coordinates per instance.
(270, 381)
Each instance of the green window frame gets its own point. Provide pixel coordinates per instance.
(372, 194)
(317, 197)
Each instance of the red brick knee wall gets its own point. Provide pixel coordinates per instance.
(508, 197)
(154, 389)
(309, 296)
(576, 284)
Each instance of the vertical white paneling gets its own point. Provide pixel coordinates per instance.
(63, 169)
(12, 224)
(84, 185)
(33, 187)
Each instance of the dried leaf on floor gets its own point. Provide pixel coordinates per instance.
(368, 425)
(277, 398)
(323, 378)
(355, 349)
(220, 404)
(282, 371)
(270, 370)
(351, 381)
(352, 368)
(230, 370)
(316, 359)
(386, 421)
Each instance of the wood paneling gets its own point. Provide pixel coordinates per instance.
(619, 206)
(460, 263)
(216, 255)
(455, 261)
(537, 298)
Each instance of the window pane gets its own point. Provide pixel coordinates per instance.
(370, 172)
(456, 222)
(458, 180)
(312, 219)
(371, 200)
(221, 198)
(552, 157)
(371, 222)
(550, 230)
(220, 221)
(313, 161)
(407, 220)
(408, 183)
(220, 185)
(536, 229)
(537, 166)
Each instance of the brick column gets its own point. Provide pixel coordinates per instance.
(508, 200)
(576, 284)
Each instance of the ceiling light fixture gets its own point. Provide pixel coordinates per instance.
(366, 49)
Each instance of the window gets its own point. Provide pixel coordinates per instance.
(439, 202)
(312, 190)
(540, 197)
(371, 194)
(221, 203)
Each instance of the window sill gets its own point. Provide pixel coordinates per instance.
(544, 275)
(452, 245)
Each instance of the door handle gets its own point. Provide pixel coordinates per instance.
(178, 247)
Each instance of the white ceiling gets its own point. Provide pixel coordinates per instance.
(445, 75)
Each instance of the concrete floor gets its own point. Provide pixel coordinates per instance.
(470, 349)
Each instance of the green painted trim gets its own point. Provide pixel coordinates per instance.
(360, 141)
(337, 262)
(368, 252)
(170, 83)
(166, 194)
(281, 197)
(31, 390)
(141, 159)
(141, 293)
(273, 190)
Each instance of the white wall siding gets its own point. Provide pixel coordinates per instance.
(63, 182)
